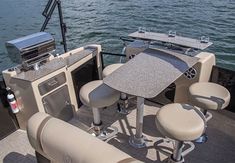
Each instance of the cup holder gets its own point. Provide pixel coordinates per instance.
(190, 73)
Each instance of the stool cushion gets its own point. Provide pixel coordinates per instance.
(181, 122)
(111, 68)
(208, 95)
(97, 94)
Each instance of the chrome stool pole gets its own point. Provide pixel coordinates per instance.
(123, 104)
(177, 153)
(203, 138)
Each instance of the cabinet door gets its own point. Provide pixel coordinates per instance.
(58, 104)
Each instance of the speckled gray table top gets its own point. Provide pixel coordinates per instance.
(149, 73)
(178, 40)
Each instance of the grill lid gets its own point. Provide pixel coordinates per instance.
(30, 40)
(31, 49)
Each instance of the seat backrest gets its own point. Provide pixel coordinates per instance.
(61, 142)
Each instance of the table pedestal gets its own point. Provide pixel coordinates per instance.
(138, 140)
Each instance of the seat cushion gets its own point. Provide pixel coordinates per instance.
(97, 94)
(62, 142)
(181, 122)
(111, 68)
(33, 127)
(208, 95)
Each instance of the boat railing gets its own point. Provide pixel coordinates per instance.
(102, 54)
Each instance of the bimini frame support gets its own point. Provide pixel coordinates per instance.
(47, 13)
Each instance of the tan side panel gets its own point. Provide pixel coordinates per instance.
(28, 95)
(203, 67)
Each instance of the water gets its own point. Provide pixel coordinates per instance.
(104, 21)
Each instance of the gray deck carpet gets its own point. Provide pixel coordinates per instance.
(220, 147)
(15, 148)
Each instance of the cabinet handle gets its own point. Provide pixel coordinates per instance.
(52, 83)
(67, 102)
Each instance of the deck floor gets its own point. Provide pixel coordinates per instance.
(219, 148)
(15, 148)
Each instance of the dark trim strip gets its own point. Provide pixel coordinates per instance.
(40, 128)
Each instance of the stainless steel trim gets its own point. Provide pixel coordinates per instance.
(51, 83)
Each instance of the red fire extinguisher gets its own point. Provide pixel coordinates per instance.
(12, 101)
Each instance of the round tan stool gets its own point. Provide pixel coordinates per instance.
(123, 103)
(111, 68)
(208, 96)
(180, 122)
(96, 95)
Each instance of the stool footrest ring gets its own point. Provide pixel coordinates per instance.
(201, 139)
(208, 116)
(104, 133)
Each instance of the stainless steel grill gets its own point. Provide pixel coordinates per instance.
(31, 49)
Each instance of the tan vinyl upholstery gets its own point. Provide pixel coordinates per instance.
(180, 122)
(97, 94)
(62, 142)
(208, 95)
(35, 124)
(111, 68)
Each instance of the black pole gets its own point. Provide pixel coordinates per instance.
(48, 11)
(113, 54)
(102, 61)
(62, 25)
(45, 12)
(48, 15)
